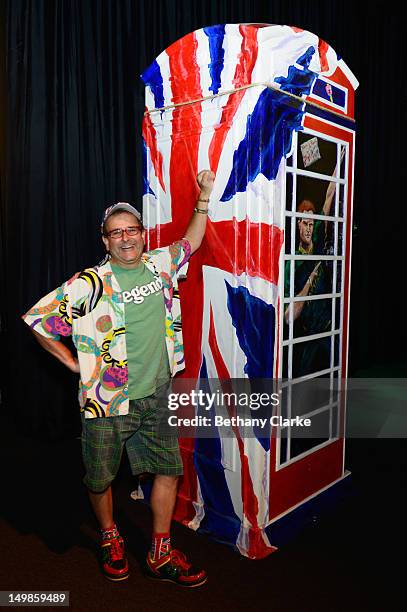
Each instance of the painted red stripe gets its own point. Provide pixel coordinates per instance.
(243, 73)
(191, 293)
(229, 246)
(186, 131)
(188, 488)
(192, 301)
(186, 127)
(184, 69)
(250, 502)
(221, 367)
(323, 49)
(150, 137)
(257, 547)
(247, 56)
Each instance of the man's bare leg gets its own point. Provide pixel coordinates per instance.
(159, 564)
(114, 562)
(102, 505)
(163, 496)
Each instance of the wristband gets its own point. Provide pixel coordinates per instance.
(203, 211)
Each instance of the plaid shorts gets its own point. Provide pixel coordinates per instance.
(149, 447)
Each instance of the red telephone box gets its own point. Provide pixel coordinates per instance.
(270, 109)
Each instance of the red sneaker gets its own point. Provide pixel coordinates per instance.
(174, 567)
(114, 562)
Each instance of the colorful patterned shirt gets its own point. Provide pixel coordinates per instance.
(91, 310)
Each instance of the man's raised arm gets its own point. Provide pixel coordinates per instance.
(196, 228)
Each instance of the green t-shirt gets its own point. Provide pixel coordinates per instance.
(145, 329)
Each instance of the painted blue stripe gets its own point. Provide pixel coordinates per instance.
(203, 373)
(220, 518)
(269, 129)
(299, 81)
(216, 35)
(153, 78)
(254, 321)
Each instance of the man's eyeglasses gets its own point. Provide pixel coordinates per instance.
(134, 230)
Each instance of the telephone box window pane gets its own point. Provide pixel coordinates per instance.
(283, 446)
(336, 351)
(287, 276)
(288, 224)
(338, 313)
(316, 154)
(314, 318)
(284, 399)
(315, 195)
(290, 178)
(320, 432)
(343, 161)
(315, 236)
(329, 237)
(340, 241)
(311, 356)
(339, 269)
(302, 445)
(285, 369)
(286, 325)
(313, 399)
(334, 422)
(310, 395)
(313, 276)
(341, 205)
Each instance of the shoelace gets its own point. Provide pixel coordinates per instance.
(179, 559)
(115, 549)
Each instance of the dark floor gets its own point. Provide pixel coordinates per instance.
(345, 560)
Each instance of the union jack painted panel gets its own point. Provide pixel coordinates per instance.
(229, 98)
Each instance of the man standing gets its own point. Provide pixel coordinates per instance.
(125, 320)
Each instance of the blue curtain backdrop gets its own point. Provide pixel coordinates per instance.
(73, 100)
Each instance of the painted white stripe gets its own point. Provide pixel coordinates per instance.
(348, 73)
(232, 44)
(164, 63)
(203, 59)
(199, 507)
